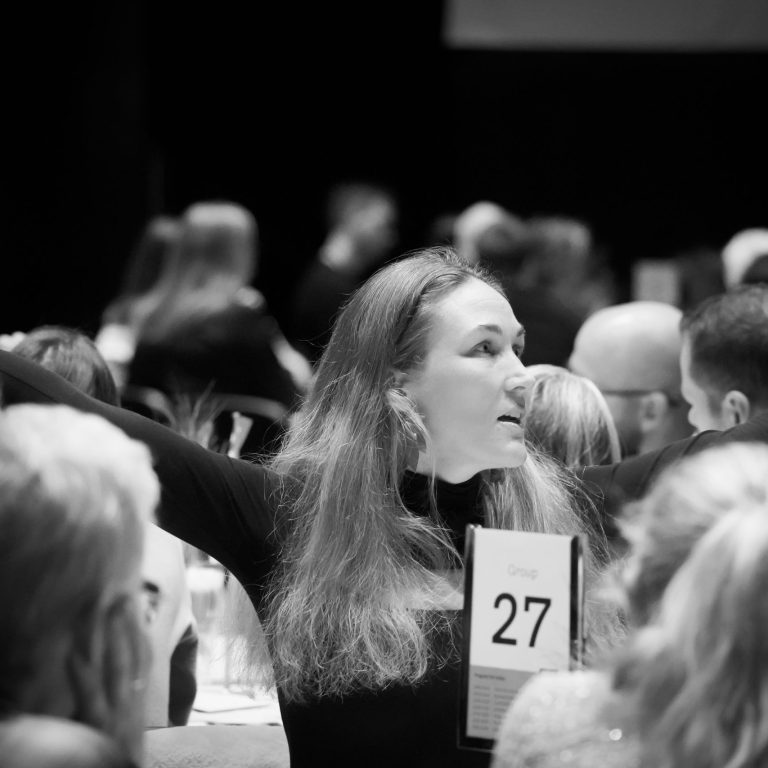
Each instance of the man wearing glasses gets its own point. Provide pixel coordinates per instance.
(631, 351)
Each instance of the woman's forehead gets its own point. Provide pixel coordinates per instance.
(474, 303)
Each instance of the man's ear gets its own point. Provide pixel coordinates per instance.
(86, 673)
(108, 674)
(735, 408)
(653, 409)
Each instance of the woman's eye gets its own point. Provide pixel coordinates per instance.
(484, 348)
(518, 350)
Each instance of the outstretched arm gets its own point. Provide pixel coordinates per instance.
(215, 503)
(614, 484)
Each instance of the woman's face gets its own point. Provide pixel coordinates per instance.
(472, 387)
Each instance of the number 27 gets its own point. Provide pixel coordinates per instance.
(498, 636)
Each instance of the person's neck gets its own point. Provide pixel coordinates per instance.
(50, 693)
(453, 474)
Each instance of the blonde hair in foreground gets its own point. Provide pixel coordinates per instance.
(685, 501)
(75, 495)
(697, 678)
(356, 563)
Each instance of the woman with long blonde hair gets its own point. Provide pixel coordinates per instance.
(202, 326)
(349, 542)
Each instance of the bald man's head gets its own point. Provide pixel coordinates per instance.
(632, 352)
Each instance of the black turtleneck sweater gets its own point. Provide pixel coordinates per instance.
(457, 504)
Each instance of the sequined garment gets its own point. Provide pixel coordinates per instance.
(564, 719)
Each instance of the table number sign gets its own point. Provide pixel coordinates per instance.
(523, 613)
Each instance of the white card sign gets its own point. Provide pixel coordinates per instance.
(523, 606)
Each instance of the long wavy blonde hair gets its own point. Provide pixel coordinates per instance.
(340, 613)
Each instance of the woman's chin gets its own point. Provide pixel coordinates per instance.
(512, 459)
(515, 458)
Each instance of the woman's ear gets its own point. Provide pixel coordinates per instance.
(398, 379)
(398, 398)
(401, 401)
(405, 383)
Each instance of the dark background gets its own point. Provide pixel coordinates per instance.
(118, 111)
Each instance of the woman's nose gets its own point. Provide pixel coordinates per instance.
(517, 376)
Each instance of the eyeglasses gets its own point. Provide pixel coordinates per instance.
(672, 399)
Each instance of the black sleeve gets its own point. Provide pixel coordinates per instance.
(613, 485)
(220, 505)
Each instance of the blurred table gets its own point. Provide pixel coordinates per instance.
(223, 695)
(219, 705)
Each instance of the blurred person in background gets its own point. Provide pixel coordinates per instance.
(204, 331)
(724, 358)
(631, 351)
(202, 326)
(475, 221)
(568, 417)
(504, 245)
(741, 250)
(363, 230)
(757, 272)
(116, 337)
(71, 354)
(171, 684)
(564, 261)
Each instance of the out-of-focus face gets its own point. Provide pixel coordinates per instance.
(701, 414)
(472, 387)
(375, 229)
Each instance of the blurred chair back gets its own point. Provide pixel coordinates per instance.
(269, 420)
(148, 402)
(266, 419)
